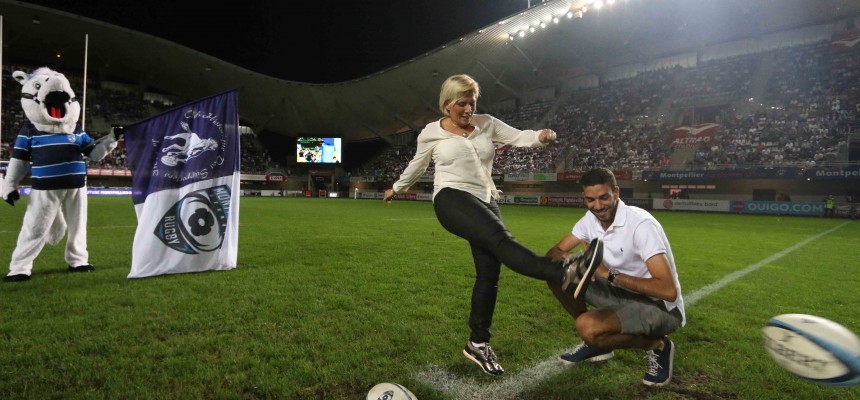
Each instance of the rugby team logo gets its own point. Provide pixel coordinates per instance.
(185, 146)
(196, 223)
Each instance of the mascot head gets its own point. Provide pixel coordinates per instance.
(48, 100)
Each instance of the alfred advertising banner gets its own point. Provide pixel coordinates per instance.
(693, 136)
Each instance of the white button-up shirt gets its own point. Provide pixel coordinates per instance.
(463, 163)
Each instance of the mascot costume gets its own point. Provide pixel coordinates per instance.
(55, 147)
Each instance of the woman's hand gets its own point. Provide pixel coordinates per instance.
(547, 136)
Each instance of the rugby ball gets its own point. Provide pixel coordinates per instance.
(389, 391)
(814, 348)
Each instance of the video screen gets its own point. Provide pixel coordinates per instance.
(319, 150)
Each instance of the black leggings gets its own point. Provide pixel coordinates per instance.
(492, 245)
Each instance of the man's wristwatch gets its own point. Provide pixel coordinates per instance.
(612, 274)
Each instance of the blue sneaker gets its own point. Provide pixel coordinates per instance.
(660, 364)
(584, 352)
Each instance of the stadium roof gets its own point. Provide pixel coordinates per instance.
(403, 97)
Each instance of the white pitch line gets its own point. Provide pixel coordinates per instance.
(699, 294)
(456, 387)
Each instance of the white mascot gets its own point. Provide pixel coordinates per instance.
(53, 145)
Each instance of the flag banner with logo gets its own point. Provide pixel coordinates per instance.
(185, 188)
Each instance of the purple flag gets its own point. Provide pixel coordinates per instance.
(185, 187)
(191, 143)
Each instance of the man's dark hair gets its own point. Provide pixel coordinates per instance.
(599, 176)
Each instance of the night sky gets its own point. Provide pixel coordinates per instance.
(306, 41)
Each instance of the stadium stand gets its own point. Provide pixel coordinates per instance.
(807, 104)
(784, 99)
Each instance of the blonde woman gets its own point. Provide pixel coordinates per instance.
(461, 145)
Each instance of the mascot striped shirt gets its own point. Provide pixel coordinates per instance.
(57, 158)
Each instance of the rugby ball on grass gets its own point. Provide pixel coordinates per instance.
(389, 391)
(814, 348)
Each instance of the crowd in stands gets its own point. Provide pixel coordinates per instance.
(525, 116)
(254, 157)
(804, 117)
(775, 139)
(813, 96)
(120, 107)
(389, 164)
(724, 79)
(606, 127)
(811, 100)
(511, 159)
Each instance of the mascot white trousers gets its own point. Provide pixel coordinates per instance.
(48, 213)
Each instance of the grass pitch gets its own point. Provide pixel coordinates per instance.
(332, 296)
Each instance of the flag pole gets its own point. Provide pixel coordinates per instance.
(84, 106)
(1, 86)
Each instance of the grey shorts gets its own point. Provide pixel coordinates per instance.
(639, 314)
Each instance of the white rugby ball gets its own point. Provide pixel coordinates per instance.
(389, 391)
(814, 348)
